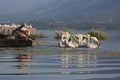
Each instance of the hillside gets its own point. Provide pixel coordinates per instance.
(67, 8)
(52, 14)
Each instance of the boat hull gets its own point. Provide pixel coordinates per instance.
(15, 43)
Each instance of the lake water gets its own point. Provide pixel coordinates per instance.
(50, 62)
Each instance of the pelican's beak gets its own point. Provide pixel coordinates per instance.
(98, 43)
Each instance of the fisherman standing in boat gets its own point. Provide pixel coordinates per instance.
(22, 31)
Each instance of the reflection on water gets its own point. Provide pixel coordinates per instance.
(11, 62)
(81, 60)
(49, 62)
(63, 66)
(78, 61)
(25, 59)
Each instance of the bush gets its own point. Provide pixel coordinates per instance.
(98, 34)
(58, 35)
(67, 30)
(40, 35)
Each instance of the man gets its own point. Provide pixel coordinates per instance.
(21, 31)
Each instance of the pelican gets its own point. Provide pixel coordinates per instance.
(64, 37)
(93, 43)
(78, 40)
(80, 37)
(71, 42)
(68, 40)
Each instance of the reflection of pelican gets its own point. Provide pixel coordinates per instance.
(78, 61)
(78, 40)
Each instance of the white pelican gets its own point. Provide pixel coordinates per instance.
(78, 40)
(93, 43)
(71, 42)
(64, 36)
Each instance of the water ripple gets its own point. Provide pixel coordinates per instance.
(60, 67)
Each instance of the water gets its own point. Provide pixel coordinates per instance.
(50, 62)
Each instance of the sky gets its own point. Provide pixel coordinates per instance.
(16, 6)
(26, 6)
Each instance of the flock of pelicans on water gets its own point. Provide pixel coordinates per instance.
(78, 40)
(8, 28)
(67, 40)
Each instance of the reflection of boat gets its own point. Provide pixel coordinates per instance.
(24, 58)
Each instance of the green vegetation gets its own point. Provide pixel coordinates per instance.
(58, 35)
(99, 34)
(94, 33)
(67, 30)
(40, 35)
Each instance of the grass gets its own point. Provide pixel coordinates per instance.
(40, 35)
(94, 33)
(58, 35)
(98, 34)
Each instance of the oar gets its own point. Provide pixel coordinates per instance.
(28, 38)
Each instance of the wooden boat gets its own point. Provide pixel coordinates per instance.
(8, 40)
(15, 43)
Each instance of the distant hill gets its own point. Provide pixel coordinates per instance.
(78, 13)
(67, 8)
(64, 8)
